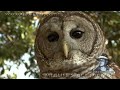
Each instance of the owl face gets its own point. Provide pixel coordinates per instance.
(65, 42)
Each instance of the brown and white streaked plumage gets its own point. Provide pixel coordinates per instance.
(67, 45)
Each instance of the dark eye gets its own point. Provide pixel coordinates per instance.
(53, 37)
(76, 34)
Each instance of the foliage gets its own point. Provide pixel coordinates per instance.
(17, 38)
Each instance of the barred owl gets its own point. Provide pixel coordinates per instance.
(67, 46)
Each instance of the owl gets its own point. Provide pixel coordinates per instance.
(68, 45)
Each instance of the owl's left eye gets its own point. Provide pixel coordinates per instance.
(53, 37)
(76, 34)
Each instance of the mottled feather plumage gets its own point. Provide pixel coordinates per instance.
(70, 56)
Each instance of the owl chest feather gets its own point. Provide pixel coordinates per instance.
(86, 71)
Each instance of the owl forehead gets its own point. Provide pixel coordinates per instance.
(77, 22)
(66, 23)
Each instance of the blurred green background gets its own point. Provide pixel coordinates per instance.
(17, 35)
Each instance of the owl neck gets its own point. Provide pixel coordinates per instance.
(74, 73)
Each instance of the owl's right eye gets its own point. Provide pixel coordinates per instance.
(53, 37)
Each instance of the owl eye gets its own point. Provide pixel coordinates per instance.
(53, 37)
(76, 34)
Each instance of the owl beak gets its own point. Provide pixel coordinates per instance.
(65, 49)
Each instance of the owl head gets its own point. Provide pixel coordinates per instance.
(68, 40)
